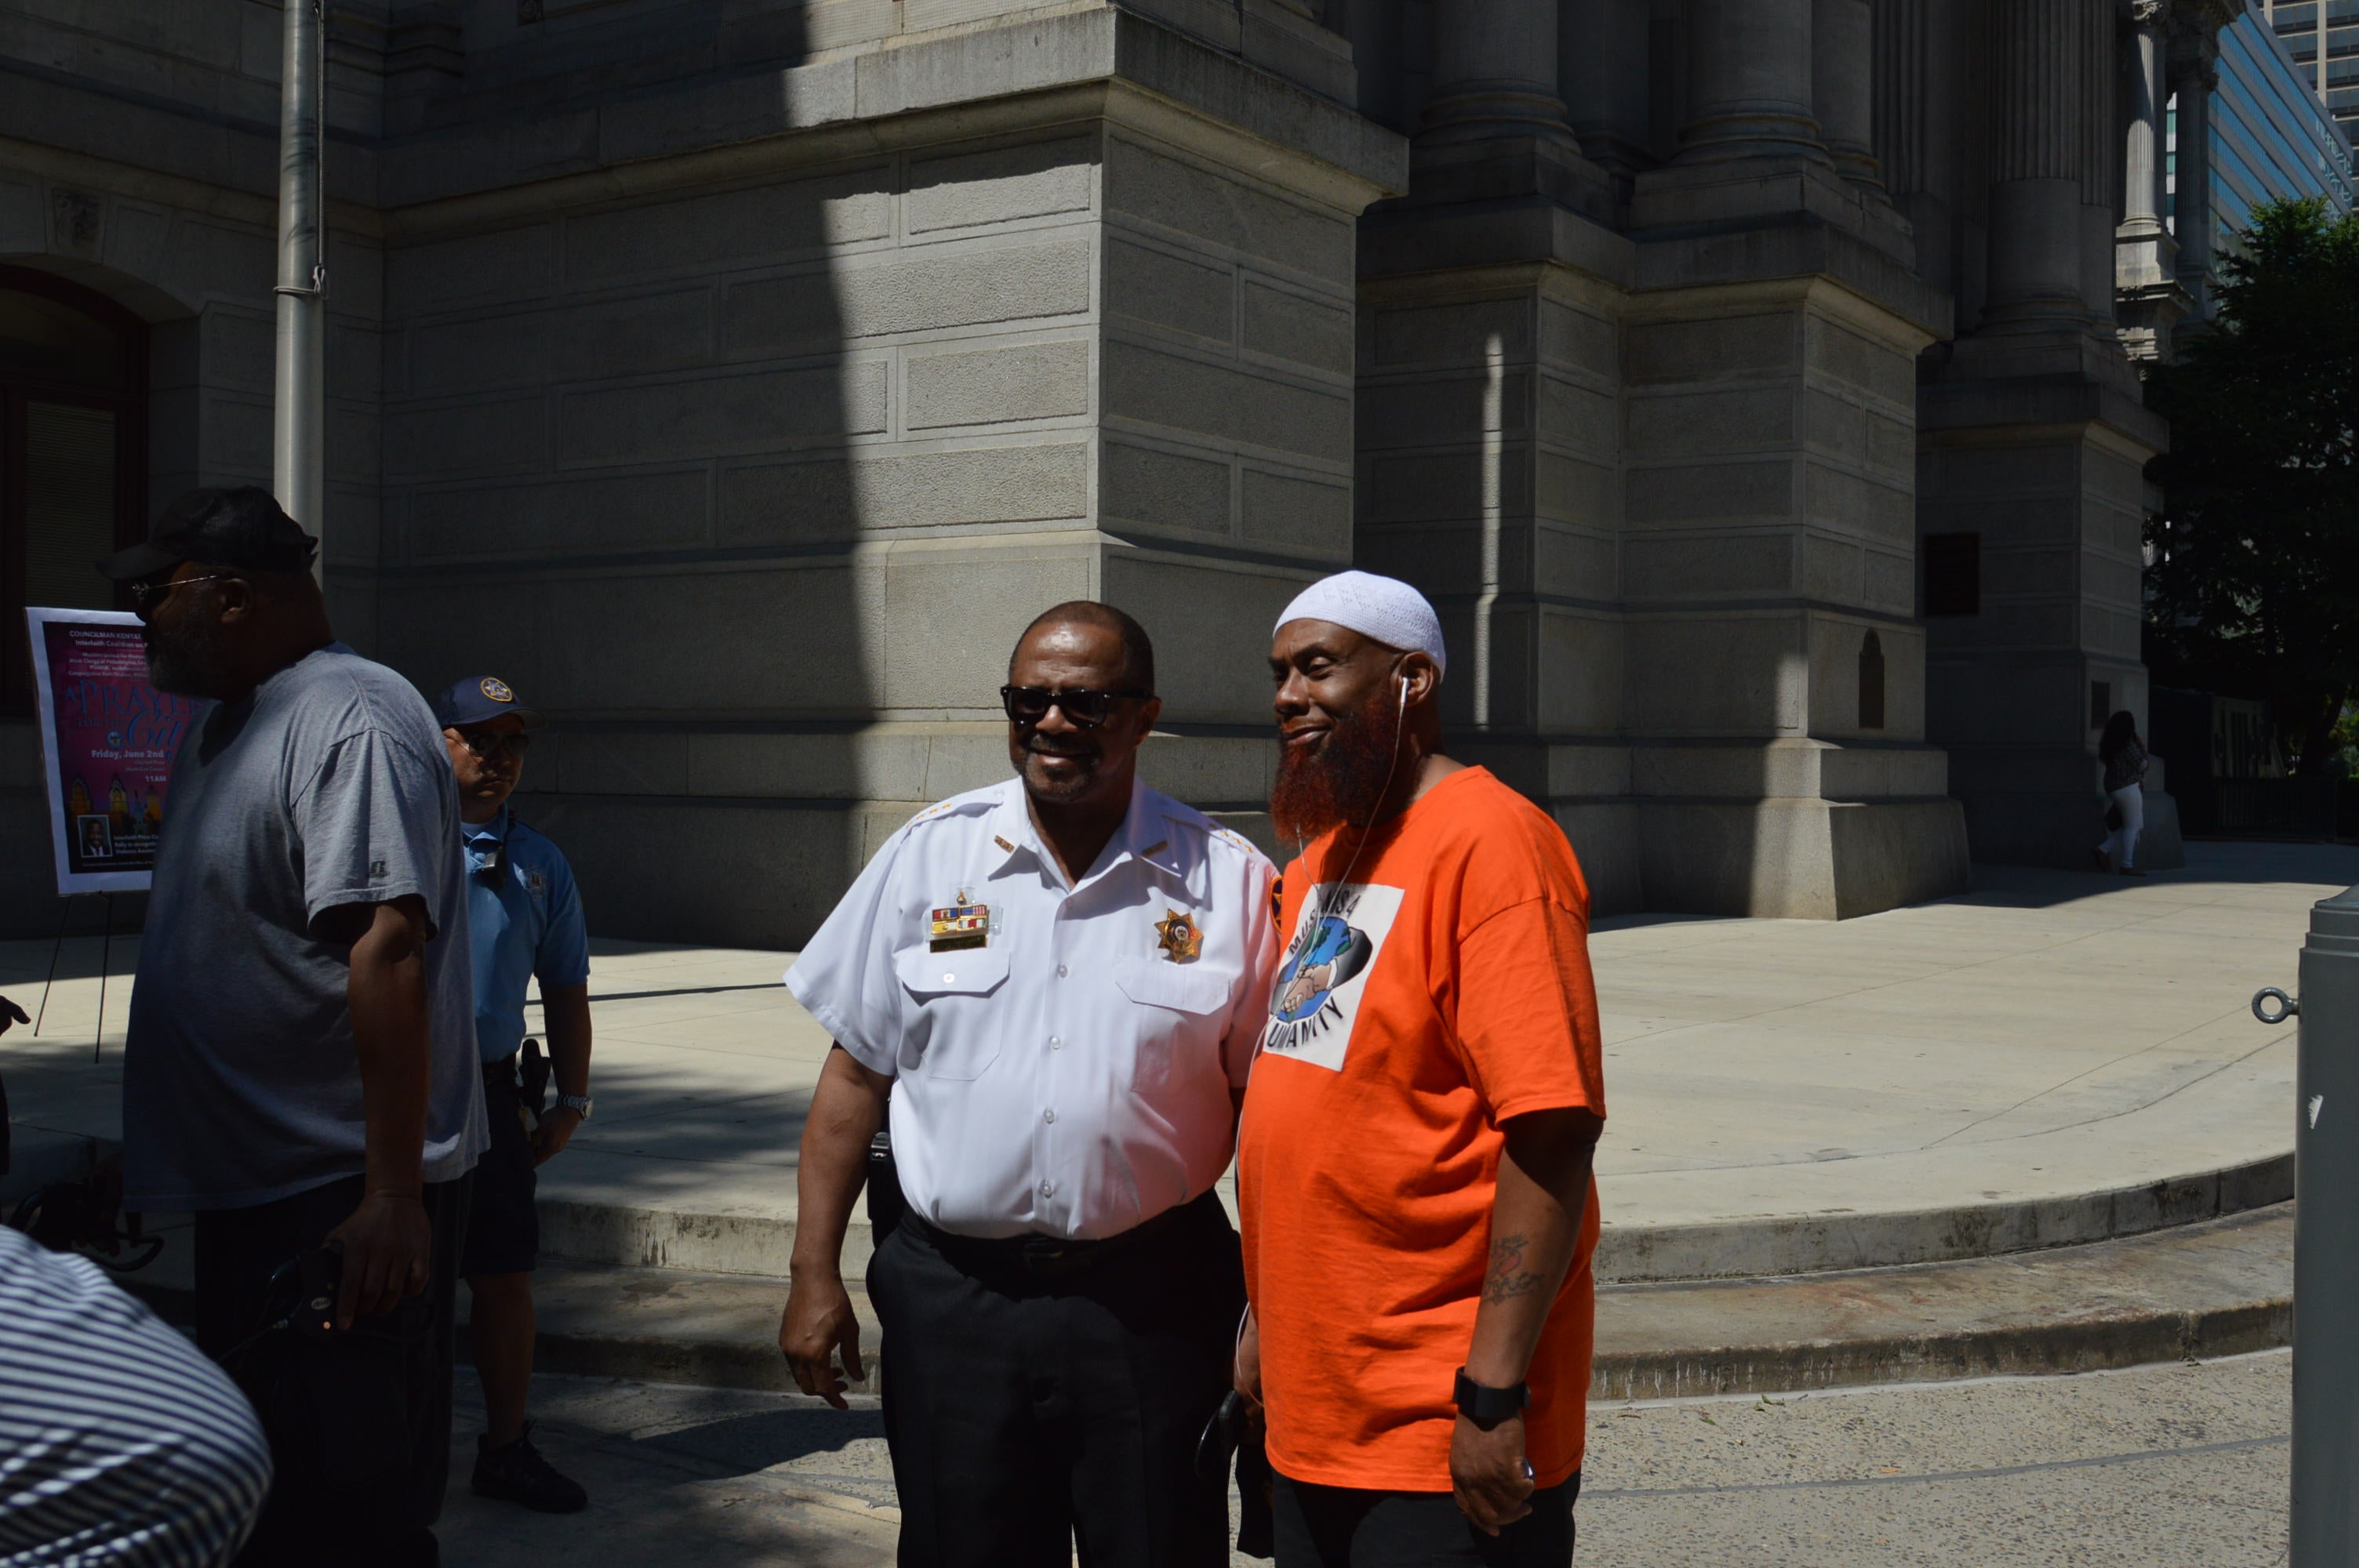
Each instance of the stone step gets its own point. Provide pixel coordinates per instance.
(648, 1234)
(2220, 1287)
(2224, 1287)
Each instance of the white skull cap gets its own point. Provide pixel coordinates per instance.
(1384, 608)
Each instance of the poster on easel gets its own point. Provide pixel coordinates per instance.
(108, 738)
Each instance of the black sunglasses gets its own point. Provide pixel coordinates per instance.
(145, 596)
(1083, 706)
(491, 745)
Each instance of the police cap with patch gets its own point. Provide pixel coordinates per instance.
(479, 699)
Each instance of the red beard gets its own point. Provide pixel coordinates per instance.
(1342, 780)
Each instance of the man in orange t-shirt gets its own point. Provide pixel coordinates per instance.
(1413, 1162)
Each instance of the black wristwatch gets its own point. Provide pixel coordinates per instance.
(1487, 1406)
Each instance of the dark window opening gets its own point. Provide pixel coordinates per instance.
(1871, 682)
(73, 386)
(1953, 574)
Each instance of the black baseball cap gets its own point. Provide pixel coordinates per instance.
(479, 699)
(244, 527)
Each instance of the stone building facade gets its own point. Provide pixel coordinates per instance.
(1741, 377)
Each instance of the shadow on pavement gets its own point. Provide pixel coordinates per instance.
(760, 1440)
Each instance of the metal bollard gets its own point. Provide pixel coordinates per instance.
(2326, 1237)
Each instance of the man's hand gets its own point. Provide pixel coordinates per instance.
(11, 1013)
(818, 1323)
(387, 1250)
(1247, 1373)
(1489, 1477)
(555, 1131)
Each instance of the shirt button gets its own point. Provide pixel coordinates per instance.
(1061, 971)
(1047, 1189)
(1048, 1116)
(1056, 1042)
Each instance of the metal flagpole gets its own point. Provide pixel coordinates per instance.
(300, 415)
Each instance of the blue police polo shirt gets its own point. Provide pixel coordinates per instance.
(525, 919)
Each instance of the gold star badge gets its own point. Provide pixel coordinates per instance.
(1177, 936)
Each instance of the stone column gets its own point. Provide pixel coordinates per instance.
(1493, 72)
(2148, 302)
(1843, 84)
(1901, 84)
(2144, 192)
(2194, 78)
(1749, 81)
(2038, 152)
(1602, 51)
(2103, 101)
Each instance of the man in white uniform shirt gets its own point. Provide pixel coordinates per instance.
(1058, 982)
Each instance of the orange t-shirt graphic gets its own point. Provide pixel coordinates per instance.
(1443, 990)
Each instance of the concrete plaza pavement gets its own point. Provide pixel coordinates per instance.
(2180, 1465)
(2052, 1058)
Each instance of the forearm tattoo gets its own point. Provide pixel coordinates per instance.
(1508, 1278)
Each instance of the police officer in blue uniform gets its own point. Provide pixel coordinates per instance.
(525, 921)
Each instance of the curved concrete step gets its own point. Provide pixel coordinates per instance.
(759, 1243)
(2219, 1288)
(1811, 1243)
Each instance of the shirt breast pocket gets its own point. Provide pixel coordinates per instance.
(952, 1030)
(1175, 1014)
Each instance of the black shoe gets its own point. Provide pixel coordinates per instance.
(2101, 860)
(517, 1474)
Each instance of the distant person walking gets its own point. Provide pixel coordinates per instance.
(2124, 755)
(300, 1071)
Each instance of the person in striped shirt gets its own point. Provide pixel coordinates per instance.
(124, 1446)
(121, 1446)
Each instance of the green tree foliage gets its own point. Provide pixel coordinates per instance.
(2254, 580)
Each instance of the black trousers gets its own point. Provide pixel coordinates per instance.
(1029, 1413)
(1340, 1527)
(359, 1422)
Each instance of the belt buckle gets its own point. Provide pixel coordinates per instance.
(1042, 1254)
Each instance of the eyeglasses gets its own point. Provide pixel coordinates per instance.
(1083, 707)
(145, 595)
(491, 746)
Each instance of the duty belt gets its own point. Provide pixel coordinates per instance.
(1051, 1256)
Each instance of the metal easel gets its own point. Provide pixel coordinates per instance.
(105, 959)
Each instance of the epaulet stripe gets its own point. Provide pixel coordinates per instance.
(947, 808)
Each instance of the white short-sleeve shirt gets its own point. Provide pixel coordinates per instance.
(1070, 1073)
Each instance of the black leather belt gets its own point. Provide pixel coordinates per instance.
(1050, 1255)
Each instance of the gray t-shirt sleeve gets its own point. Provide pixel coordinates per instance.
(372, 828)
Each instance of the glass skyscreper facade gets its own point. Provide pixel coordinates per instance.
(2332, 73)
(2272, 137)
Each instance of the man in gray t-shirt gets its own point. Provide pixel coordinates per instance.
(313, 795)
(301, 1065)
